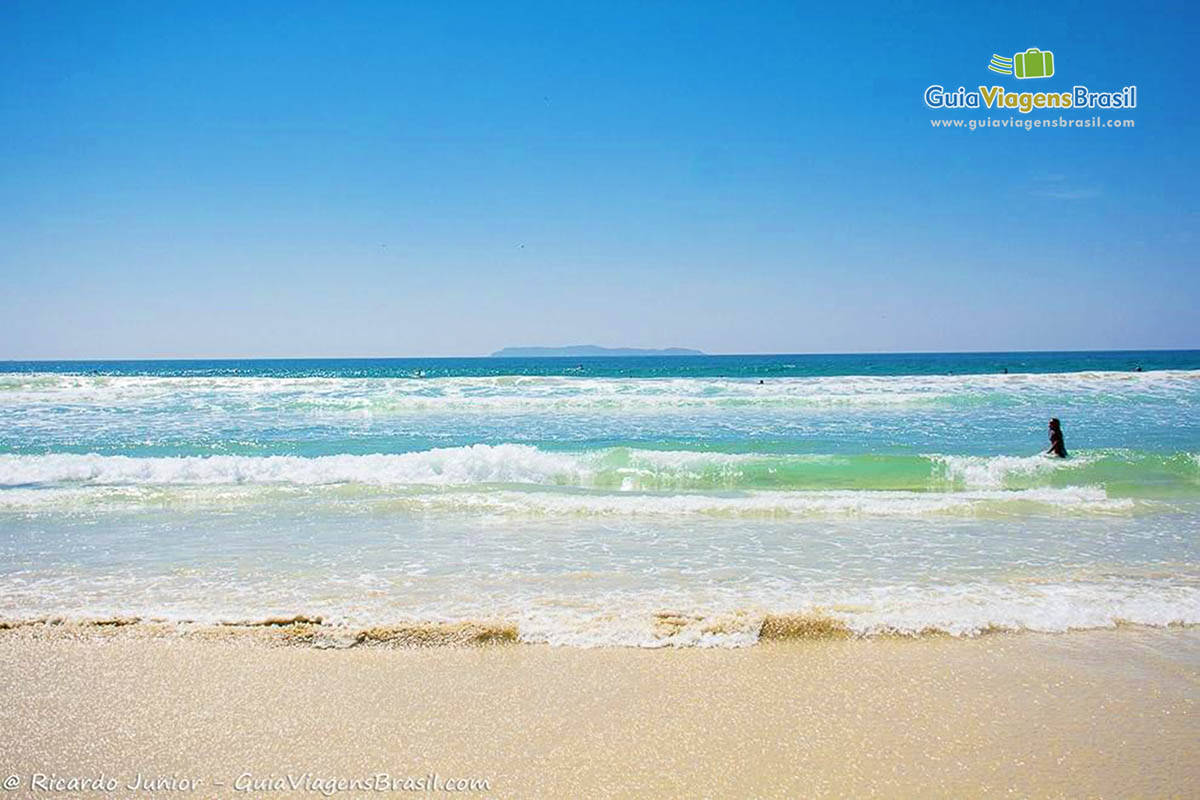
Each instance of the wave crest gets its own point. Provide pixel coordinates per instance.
(520, 394)
(614, 469)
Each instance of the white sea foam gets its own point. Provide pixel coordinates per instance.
(521, 479)
(495, 464)
(587, 503)
(643, 619)
(1051, 608)
(800, 503)
(964, 610)
(995, 471)
(507, 463)
(540, 394)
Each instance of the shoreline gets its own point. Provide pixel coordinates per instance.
(1109, 713)
(301, 630)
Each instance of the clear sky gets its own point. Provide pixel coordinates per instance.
(393, 179)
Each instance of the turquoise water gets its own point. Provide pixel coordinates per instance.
(588, 500)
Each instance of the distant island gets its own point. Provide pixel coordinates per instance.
(590, 351)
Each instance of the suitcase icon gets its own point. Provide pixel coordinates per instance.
(1033, 63)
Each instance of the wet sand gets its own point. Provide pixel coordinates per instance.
(1110, 713)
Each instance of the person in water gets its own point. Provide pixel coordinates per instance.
(1057, 448)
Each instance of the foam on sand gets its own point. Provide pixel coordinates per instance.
(661, 620)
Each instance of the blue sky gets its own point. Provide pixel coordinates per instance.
(375, 179)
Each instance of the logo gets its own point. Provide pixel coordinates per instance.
(1033, 63)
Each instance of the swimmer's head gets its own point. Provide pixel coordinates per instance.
(1054, 424)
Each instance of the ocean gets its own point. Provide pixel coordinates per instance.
(645, 501)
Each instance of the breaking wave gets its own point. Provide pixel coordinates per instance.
(520, 394)
(615, 469)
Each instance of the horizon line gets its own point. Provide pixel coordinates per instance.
(702, 354)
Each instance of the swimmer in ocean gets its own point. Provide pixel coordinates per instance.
(1057, 448)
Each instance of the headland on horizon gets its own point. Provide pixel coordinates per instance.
(591, 351)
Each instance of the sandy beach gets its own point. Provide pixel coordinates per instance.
(1109, 713)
